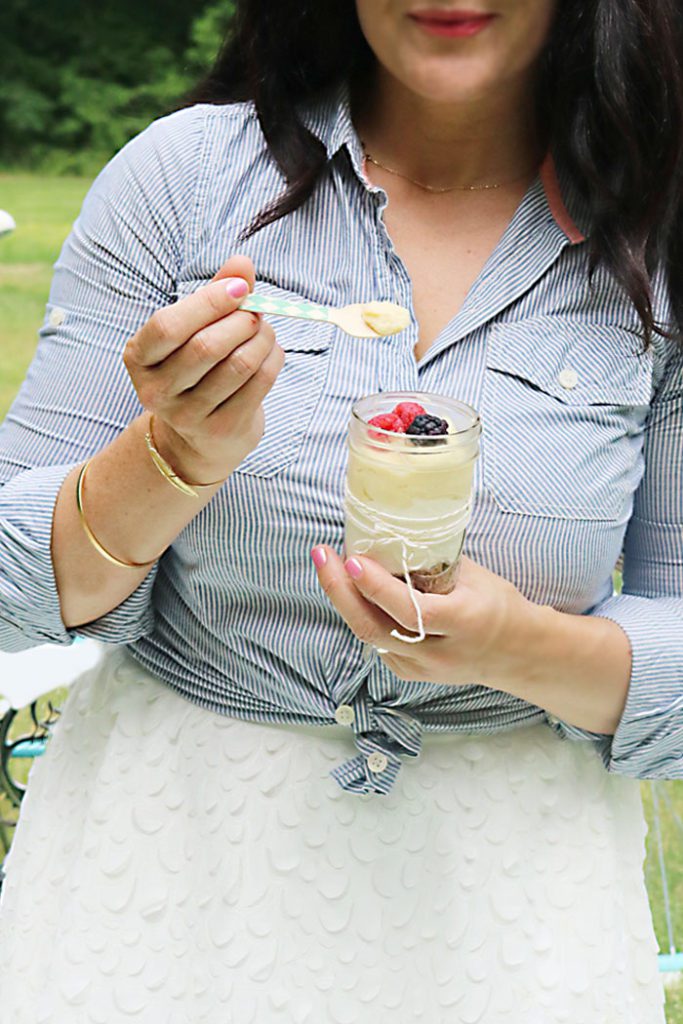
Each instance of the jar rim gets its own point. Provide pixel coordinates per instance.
(406, 396)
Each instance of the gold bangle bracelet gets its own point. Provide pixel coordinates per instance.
(91, 536)
(166, 470)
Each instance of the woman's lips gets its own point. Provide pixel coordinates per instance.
(452, 24)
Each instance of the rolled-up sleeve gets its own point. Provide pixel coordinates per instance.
(119, 264)
(648, 742)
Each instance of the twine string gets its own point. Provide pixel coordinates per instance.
(416, 605)
(383, 530)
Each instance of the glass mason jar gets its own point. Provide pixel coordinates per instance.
(408, 497)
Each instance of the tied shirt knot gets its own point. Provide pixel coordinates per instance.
(382, 734)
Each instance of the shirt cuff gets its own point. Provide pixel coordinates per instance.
(30, 612)
(648, 742)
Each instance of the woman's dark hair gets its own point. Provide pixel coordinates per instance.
(610, 106)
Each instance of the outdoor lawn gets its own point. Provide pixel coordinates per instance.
(44, 209)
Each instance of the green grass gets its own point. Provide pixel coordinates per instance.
(674, 1004)
(44, 209)
(672, 843)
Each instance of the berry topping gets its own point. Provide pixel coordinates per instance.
(387, 421)
(428, 426)
(407, 411)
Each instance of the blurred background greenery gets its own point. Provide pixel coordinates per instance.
(77, 80)
(73, 93)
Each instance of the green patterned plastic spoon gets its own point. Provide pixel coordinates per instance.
(356, 319)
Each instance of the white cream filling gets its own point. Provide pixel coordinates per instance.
(385, 317)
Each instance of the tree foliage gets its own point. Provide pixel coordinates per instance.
(75, 88)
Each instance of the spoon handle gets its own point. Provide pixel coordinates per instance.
(257, 303)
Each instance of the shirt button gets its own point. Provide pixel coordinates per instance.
(568, 378)
(345, 714)
(377, 762)
(552, 719)
(56, 317)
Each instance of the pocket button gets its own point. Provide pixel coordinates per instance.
(568, 378)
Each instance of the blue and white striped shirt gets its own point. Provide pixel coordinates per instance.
(581, 449)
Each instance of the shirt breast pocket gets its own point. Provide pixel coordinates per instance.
(563, 409)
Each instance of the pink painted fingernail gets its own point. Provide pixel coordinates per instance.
(319, 556)
(236, 287)
(354, 568)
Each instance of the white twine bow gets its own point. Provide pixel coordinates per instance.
(382, 530)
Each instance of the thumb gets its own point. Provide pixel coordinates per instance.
(237, 266)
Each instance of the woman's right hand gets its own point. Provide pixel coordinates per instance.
(203, 367)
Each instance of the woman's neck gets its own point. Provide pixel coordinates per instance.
(441, 144)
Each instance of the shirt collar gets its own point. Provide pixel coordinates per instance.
(329, 119)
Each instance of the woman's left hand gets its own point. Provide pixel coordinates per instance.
(479, 633)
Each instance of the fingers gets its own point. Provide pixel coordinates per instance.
(240, 407)
(171, 327)
(237, 266)
(237, 338)
(369, 622)
(220, 384)
(392, 596)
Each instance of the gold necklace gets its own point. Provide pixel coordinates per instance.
(431, 188)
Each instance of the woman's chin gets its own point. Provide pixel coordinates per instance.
(451, 85)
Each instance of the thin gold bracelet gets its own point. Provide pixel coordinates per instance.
(166, 470)
(91, 536)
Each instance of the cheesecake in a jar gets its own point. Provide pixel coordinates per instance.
(409, 484)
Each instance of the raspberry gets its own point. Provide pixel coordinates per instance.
(387, 421)
(407, 411)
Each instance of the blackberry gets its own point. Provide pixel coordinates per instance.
(427, 427)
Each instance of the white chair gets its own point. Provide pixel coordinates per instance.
(29, 674)
(7, 224)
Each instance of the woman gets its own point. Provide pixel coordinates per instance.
(464, 839)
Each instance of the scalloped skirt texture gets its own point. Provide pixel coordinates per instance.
(177, 866)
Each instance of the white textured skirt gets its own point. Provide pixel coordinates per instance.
(176, 866)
